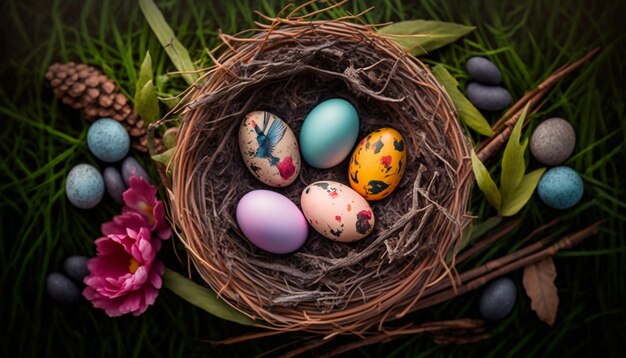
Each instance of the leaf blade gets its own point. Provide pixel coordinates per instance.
(436, 34)
(203, 298)
(513, 165)
(145, 74)
(174, 49)
(467, 112)
(147, 104)
(539, 285)
(485, 182)
(524, 191)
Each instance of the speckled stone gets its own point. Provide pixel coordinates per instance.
(61, 289)
(488, 98)
(131, 167)
(560, 188)
(484, 71)
(76, 267)
(108, 140)
(498, 299)
(553, 141)
(114, 183)
(84, 186)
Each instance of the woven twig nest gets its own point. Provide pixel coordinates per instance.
(287, 67)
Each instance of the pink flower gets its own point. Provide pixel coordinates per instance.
(124, 277)
(140, 198)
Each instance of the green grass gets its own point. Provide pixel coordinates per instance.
(41, 140)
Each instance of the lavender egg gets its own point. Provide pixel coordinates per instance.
(271, 221)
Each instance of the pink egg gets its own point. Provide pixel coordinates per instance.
(271, 221)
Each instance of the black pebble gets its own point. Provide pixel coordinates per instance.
(484, 71)
(76, 267)
(61, 289)
(498, 299)
(488, 98)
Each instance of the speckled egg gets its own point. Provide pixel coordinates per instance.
(108, 140)
(328, 133)
(271, 221)
(76, 267)
(377, 164)
(560, 188)
(114, 184)
(553, 141)
(269, 149)
(84, 186)
(484, 71)
(131, 167)
(498, 299)
(336, 211)
(488, 98)
(61, 289)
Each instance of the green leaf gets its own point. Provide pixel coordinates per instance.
(513, 165)
(431, 35)
(203, 298)
(485, 182)
(145, 74)
(522, 194)
(147, 104)
(174, 49)
(467, 112)
(165, 157)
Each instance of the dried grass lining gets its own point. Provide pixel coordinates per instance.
(287, 67)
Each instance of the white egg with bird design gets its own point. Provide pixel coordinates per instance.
(269, 149)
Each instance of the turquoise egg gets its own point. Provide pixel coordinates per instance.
(560, 188)
(108, 140)
(84, 186)
(328, 133)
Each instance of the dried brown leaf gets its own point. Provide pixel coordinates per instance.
(539, 285)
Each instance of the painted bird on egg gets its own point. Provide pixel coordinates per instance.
(269, 149)
(377, 164)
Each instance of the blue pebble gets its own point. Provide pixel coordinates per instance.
(131, 167)
(76, 267)
(61, 289)
(114, 183)
(498, 299)
(484, 71)
(560, 188)
(108, 140)
(84, 186)
(488, 98)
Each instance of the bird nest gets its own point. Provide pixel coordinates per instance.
(287, 67)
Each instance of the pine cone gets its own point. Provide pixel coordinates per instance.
(87, 88)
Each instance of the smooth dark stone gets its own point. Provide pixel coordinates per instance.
(131, 167)
(484, 71)
(114, 183)
(61, 289)
(76, 267)
(498, 299)
(488, 98)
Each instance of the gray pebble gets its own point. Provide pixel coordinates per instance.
(553, 141)
(131, 166)
(484, 71)
(498, 299)
(488, 98)
(76, 267)
(114, 183)
(61, 289)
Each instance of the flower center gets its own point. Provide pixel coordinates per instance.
(148, 210)
(134, 265)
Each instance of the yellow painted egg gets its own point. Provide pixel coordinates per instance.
(336, 211)
(377, 164)
(269, 149)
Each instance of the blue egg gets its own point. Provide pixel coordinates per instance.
(560, 188)
(131, 167)
(108, 140)
(328, 133)
(84, 186)
(498, 299)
